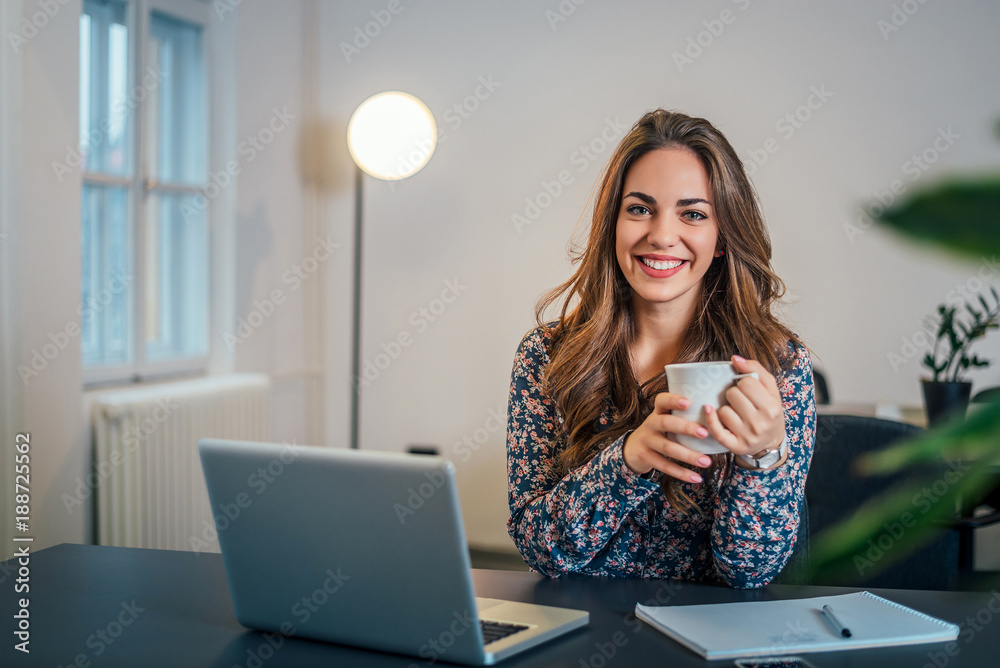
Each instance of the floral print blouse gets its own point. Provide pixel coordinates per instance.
(603, 519)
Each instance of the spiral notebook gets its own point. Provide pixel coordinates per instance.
(761, 628)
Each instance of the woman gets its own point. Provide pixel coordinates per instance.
(676, 269)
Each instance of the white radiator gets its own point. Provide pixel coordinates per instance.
(151, 491)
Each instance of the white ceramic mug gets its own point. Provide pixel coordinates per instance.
(703, 383)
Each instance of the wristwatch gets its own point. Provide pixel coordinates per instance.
(765, 459)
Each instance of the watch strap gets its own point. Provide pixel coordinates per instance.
(765, 459)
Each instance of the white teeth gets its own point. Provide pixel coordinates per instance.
(661, 265)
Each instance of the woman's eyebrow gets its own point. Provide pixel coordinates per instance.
(648, 199)
(693, 200)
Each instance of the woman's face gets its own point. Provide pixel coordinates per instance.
(667, 232)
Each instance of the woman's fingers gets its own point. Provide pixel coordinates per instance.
(664, 402)
(753, 366)
(650, 448)
(719, 430)
(670, 455)
(675, 424)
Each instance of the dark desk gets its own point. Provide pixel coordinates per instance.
(146, 608)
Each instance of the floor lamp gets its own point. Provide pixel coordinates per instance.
(391, 136)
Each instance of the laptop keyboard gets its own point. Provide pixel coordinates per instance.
(493, 631)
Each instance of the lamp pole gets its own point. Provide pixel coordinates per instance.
(391, 136)
(356, 311)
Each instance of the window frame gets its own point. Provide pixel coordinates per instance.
(140, 189)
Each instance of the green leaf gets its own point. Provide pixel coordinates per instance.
(959, 215)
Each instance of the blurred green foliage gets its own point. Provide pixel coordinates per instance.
(961, 216)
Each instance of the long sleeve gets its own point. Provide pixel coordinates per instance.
(756, 514)
(559, 524)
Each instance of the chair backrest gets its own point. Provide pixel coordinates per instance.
(835, 491)
(821, 387)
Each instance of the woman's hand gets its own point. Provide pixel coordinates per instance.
(648, 447)
(754, 420)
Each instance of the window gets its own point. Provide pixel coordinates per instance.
(144, 155)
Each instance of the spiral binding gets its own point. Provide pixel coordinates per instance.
(900, 606)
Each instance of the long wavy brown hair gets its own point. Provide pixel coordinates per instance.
(590, 367)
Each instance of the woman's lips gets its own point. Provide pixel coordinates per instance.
(660, 273)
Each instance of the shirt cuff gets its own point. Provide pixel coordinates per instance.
(612, 458)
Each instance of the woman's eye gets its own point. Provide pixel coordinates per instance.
(637, 210)
(695, 215)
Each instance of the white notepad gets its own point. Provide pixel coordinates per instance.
(760, 628)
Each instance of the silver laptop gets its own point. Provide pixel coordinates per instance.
(360, 548)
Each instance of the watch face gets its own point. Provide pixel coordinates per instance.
(769, 459)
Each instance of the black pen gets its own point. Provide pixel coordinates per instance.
(841, 629)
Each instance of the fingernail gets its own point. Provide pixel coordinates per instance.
(683, 403)
(739, 359)
(708, 409)
(704, 461)
(695, 477)
(701, 432)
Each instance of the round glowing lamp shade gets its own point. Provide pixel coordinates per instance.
(392, 135)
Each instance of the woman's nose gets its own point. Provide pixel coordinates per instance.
(663, 231)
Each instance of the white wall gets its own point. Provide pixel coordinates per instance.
(852, 300)
(42, 237)
(45, 236)
(555, 89)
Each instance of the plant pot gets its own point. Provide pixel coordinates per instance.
(945, 400)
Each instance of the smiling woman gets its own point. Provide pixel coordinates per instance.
(676, 269)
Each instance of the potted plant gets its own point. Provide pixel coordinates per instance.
(958, 215)
(946, 394)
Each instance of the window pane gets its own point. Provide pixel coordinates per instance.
(106, 278)
(177, 127)
(176, 271)
(105, 104)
